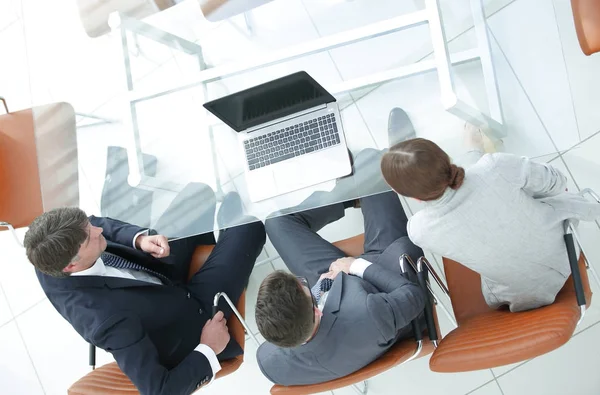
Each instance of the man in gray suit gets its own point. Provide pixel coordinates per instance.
(335, 314)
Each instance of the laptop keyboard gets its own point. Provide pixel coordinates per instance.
(289, 142)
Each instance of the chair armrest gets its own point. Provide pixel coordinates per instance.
(422, 276)
(92, 356)
(500, 337)
(576, 274)
(405, 260)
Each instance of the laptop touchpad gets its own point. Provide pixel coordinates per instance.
(289, 175)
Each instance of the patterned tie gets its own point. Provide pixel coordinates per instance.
(321, 287)
(122, 263)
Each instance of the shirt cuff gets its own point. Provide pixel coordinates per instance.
(358, 267)
(143, 232)
(212, 358)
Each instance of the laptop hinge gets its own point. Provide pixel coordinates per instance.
(280, 120)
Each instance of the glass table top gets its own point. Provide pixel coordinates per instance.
(150, 154)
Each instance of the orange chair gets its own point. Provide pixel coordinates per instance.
(486, 338)
(110, 380)
(400, 353)
(38, 162)
(586, 15)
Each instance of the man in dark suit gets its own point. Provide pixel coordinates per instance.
(124, 289)
(333, 314)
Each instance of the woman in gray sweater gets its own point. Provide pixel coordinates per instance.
(503, 218)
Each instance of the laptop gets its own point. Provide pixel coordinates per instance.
(290, 133)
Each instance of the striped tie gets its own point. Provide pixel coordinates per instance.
(321, 287)
(122, 263)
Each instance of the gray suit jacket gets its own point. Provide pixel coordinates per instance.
(362, 318)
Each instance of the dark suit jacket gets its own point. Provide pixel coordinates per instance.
(151, 330)
(362, 318)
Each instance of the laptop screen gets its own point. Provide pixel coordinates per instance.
(269, 101)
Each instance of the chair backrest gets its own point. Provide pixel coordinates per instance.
(38, 162)
(465, 291)
(467, 299)
(586, 15)
(397, 354)
(20, 193)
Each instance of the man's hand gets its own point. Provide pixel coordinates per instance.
(215, 334)
(341, 265)
(157, 246)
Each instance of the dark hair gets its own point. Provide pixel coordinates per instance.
(420, 169)
(284, 312)
(54, 238)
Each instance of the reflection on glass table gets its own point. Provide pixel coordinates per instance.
(173, 145)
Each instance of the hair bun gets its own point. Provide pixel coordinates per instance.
(457, 177)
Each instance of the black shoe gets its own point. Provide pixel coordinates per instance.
(400, 128)
(231, 211)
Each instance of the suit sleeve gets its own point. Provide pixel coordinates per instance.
(116, 231)
(138, 358)
(399, 302)
(537, 179)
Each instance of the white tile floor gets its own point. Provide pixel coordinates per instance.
(550, 99)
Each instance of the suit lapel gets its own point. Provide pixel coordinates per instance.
(75, 282)
(332, 306)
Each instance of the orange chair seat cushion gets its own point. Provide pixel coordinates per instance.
(396, 355)
(586, 15)
(499, 338)
(110, 380)
(21, 196)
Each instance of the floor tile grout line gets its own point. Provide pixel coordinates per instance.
(564, 162)
(8, 26)
(22, 312)
(29, 355)
(524, 91)
(12, 317)
(574, 146)
(480, 387)
(499, 386)
(431, 53)
(529, 360)
(562, 51)
(14, 320)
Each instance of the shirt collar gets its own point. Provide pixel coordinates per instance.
(97, 269)
(445, 198)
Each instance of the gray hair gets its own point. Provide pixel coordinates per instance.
(54, 238)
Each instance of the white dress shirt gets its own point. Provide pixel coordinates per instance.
(100, 269)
